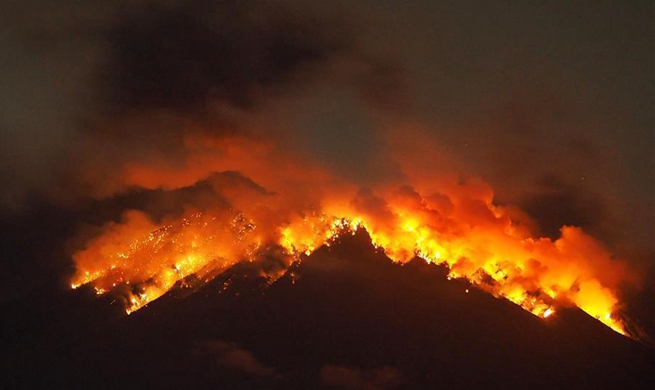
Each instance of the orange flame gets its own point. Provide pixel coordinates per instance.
(477, 240)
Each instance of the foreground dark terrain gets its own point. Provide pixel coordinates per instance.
(346, 317)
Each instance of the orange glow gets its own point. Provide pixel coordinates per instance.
(267, 196)
(478, 241)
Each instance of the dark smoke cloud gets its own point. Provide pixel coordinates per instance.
(47, 66)
(555, 203)
(127, 83)
(185, 56)
(183, 68)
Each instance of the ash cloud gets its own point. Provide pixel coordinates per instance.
(185, 56)
(187, 73)
(127, 85)
(555, 203)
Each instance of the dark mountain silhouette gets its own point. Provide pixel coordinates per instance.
(344, 317)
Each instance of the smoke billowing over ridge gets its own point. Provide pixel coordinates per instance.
(314, 127)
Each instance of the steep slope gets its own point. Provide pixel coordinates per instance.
(346, 309)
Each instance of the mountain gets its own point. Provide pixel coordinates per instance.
(344, 317)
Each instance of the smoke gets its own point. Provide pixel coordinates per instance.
(47, 71)
(154, 84)
(131, 87)
(305, 116)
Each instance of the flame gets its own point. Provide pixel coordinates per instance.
(478, 241)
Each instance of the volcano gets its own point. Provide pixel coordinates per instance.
(344, 317)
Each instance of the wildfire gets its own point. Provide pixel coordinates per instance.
(478, 241)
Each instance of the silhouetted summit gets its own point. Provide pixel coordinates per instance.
(344, 317)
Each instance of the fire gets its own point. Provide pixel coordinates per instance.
(142, 259)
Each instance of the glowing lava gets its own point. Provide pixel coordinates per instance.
(141, 260)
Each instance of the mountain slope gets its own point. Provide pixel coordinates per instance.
(345, 317)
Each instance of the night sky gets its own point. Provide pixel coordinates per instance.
(549, 102)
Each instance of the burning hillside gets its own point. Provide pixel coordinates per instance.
(261, 128)
(346, 316)
(140, 259)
